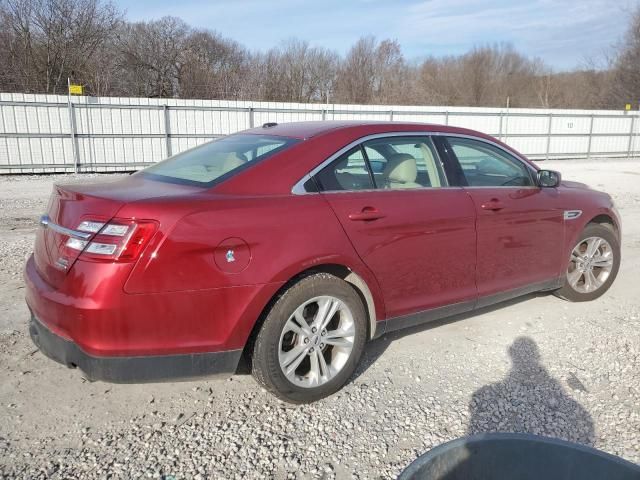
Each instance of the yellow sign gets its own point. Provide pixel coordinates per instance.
(627, 106)
(75, 89)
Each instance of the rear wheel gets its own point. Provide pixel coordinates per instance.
(593, 265)
(311, 339)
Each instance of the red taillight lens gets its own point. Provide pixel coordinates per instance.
(137, 241)
(120, 240)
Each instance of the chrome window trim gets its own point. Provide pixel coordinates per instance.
(298, 188)
(46, 222)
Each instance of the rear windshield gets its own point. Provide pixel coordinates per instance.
(217, 160)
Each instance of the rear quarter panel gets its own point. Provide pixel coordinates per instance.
(285, 235)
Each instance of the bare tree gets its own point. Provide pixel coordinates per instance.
(478, 67)
(53, 39)
(625, 82)
(152, 57)
(355, 80)
(437, 82)
(45, 41)
(373, 72)
(297, 72)
(391, 78)
(213, 67)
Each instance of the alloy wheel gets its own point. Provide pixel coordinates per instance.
(590, 265)
(316, 341)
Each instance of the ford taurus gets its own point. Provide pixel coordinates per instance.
(288, 247)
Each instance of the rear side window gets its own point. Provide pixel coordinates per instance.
(349, 172)
(484, 165)
(215, 161)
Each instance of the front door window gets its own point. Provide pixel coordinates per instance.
(484, 165)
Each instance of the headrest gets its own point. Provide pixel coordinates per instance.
(401, 168)
(232, 161)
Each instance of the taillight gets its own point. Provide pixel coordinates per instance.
(119, 240)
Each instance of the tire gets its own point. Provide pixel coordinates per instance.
(284, 340)
(580, 291)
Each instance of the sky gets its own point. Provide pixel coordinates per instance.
(563, 33)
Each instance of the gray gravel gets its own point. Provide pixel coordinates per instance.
(538, 365)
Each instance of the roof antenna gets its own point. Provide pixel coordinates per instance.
(269, 124)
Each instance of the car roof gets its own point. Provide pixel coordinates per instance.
(306, 130)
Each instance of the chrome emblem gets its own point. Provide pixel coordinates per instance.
(572, 214)
(230, 256)
(62, 263)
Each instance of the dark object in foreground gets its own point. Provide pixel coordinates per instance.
(502, 456)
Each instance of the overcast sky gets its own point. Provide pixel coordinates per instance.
(562, 32)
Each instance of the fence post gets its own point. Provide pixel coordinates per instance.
(631, 132)
(549, 136)
(500, 127)
(590, 136)
(250, 117)
(446, 117)
(167, 129)
(324, 114)
(72, 133)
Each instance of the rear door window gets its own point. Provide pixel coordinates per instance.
(405, 162)
(385, 163)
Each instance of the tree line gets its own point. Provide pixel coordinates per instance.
(45, 42)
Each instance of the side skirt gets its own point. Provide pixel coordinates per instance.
(431, 315)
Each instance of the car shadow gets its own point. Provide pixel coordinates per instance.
(376, 348)
(529, 400)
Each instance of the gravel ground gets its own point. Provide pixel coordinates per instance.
(535, 364)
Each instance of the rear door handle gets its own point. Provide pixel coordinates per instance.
(367, 214)
(494, 204)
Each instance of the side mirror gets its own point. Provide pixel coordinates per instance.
(549, 178)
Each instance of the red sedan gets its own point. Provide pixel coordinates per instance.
(290, 246)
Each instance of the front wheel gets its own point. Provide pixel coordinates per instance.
(593, 264)
(311, 339)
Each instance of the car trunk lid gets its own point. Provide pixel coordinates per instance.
(71, 204)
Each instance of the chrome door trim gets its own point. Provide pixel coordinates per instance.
(46, 222)
(298, 188)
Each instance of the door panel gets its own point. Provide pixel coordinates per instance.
(420, 243)
(520, 229)
(520, 234)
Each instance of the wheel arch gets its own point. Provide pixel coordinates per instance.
(605, 219)
(341, 271)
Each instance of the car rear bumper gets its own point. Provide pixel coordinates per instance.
(91, 310)
(135, 369)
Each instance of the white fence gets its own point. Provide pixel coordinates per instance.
(46, 133)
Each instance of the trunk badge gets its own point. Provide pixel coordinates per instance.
(63, 263)
(230, 256)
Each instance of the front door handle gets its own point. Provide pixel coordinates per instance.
(494, 204)
(367, 214)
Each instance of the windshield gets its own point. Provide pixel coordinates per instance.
(214, 161)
